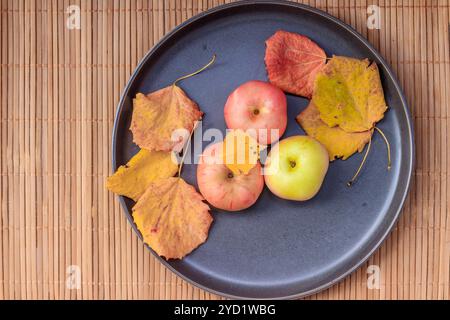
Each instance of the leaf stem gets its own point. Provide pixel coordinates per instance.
(196, 72)
(187, 147)
(388, 146)
(350, 183)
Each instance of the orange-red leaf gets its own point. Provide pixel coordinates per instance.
(292, 62)
(158, 115)
(172, 217)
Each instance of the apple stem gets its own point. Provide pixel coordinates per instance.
(186, 151)
(388, 146)
(196, 72)
(350, 183)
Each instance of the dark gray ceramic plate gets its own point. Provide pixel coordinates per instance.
(276, 248)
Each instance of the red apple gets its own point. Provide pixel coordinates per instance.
(221, 188)
(260, 107)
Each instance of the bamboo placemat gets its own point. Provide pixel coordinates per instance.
(59, 91)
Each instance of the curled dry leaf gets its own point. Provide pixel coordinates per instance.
(172, 217)
(348, 94)
(132, 179)
(158, 115)
(292, 62)
(338, 142)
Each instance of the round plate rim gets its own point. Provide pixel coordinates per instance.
(348, 28)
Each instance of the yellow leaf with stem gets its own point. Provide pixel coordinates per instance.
(339, 144)
(172, 217)
(131, 180)
(348, 94)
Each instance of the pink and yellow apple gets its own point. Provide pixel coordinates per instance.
(260, 107)
(223, 189)
(295, 168)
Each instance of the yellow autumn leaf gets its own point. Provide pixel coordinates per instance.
(158, 115)
(348, 94)
(132, 179)
(172, 217)
(338, 142)
(240, 151)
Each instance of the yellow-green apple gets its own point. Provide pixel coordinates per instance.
(258, 108)
(223, 189)
(295, 168)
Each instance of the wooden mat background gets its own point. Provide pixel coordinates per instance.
(59, 91)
